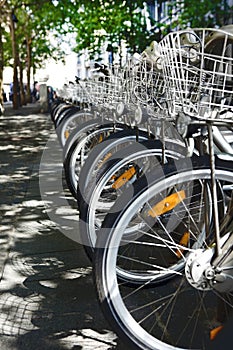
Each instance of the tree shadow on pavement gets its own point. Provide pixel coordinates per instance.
(47, 296)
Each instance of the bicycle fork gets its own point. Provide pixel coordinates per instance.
(212, 268)
(222, 265)
(214, 188)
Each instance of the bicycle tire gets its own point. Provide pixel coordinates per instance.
(103, 151)
(66, 113)
(76, 156)
(171, 314)
(140, 157)
(80, 130)
(56, 104)
(61, 111)
(112, 144)
(69, 122)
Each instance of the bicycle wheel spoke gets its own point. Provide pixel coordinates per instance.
(157, 265)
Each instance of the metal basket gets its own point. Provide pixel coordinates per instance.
(104, 90)
(126, 90)
(137, 82)
(143, 82)
(197, 66)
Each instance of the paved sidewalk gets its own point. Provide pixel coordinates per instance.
(47, 298)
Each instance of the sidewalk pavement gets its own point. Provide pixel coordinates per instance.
(47, 297)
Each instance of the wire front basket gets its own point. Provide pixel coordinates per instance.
(144, 83)
(132, 92)
(137, 82)
(105, 89)
(197, 66)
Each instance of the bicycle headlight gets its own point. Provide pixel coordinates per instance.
(182, 123)
(120, 108)
(138, 115)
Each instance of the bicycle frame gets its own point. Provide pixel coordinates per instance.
(198, 66)
(216, 263)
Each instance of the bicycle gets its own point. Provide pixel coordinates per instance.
(171, 231)
(112, 102)
(108, 171)
(98, 188)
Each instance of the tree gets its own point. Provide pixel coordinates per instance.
(208, 14)
(95, 22)
(1, 65)
(29, 24)
(98, 22)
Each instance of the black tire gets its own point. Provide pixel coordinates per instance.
(173, 313)
(101, 153)
(66, 112)
(70, 121)
(81, 130)
(59, 109)
(100, 187)
(85, 140)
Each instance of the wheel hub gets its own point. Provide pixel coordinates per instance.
(202, 275)
(199, 273)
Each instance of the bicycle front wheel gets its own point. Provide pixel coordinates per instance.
(80, 150)
(167, 209)
(114, 176)
(69, 123)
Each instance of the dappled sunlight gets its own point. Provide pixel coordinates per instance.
(48, 293)
(33, 203)
(30, 265)
(89, 339)
(60, 205)
(77, 272)
(8, 179)
(46, 290)
(16, 313)
(6, 147)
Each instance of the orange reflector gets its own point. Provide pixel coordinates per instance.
(67, 134)
(126, 176)
(183, 242)
(215, 331)
(167, 204)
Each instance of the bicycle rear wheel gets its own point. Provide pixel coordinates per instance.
(166, 208)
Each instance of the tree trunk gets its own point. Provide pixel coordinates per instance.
(21, 84)
(1, 69)
(15, 63)
(29, 65)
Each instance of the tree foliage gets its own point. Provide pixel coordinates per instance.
(98, 22)
(27, 27)
(205, 13)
